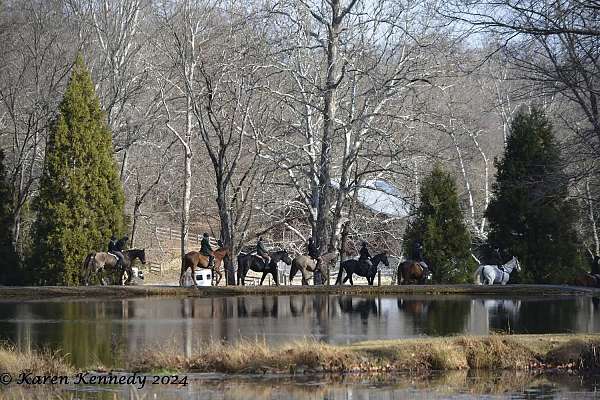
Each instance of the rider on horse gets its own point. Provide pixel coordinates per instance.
(418, 253)
(116, 247)
(364, 254)
(311, 249)
(206, 249)
(261, 251)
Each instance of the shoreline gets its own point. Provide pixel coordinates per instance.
(121, 292)
(544, 353)
(569, 352)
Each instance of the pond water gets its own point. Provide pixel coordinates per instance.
(455, 385)
(105, 331)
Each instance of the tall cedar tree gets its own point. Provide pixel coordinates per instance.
(81, 198)
(530, 214)
(439, 225)
(9, 265)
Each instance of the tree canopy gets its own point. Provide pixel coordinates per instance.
(439, 226)
(531, 215)
(81, 199)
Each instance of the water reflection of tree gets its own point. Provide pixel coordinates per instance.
(437, 317)
(87, 333)
(547, 316)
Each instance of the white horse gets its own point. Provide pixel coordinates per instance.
(490, 274)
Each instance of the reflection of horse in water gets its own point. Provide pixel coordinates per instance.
(295, 309)
(362, 306)
(501, 306)
(417, 308)
(268, 307)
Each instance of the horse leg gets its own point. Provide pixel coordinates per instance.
(338, 281)
(275, 277)
(262, 278)
(220, 276)
(293, 271)
(244, 272)
(304, 277)
(129, 273)
(193, 267)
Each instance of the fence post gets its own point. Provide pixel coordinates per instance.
(379, 278)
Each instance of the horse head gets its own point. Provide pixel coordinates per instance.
(383, 258)
(281, 255)
(517, 264)
(140, 254)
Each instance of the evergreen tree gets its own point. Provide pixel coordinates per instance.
(9, 265)
(81, 198)
(530, 214)
(439, 226)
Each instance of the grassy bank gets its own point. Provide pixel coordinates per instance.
(44, 292)
(496, 352)
(14, 362)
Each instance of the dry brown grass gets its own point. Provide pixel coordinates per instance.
(495, 352)
(39, 363)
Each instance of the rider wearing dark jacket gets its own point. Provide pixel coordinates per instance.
(262, 251)
(364, 252)
(206, 248)
(311, 248)
(116, 247)
(418, 251)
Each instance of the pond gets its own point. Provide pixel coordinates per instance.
(464, 385)
(105, 331)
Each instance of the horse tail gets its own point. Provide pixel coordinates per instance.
(86, 270)
(477, 276)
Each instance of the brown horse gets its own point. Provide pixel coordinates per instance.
(194, 260)
(412, 271)
(587, 280)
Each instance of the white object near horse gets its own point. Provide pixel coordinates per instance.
(490, 274)
(203, 277)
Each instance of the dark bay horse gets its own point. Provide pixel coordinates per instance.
(253, 262)
(97, 261)
(195, 259)
(361, 268)
(306, 264)
(413, 271)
